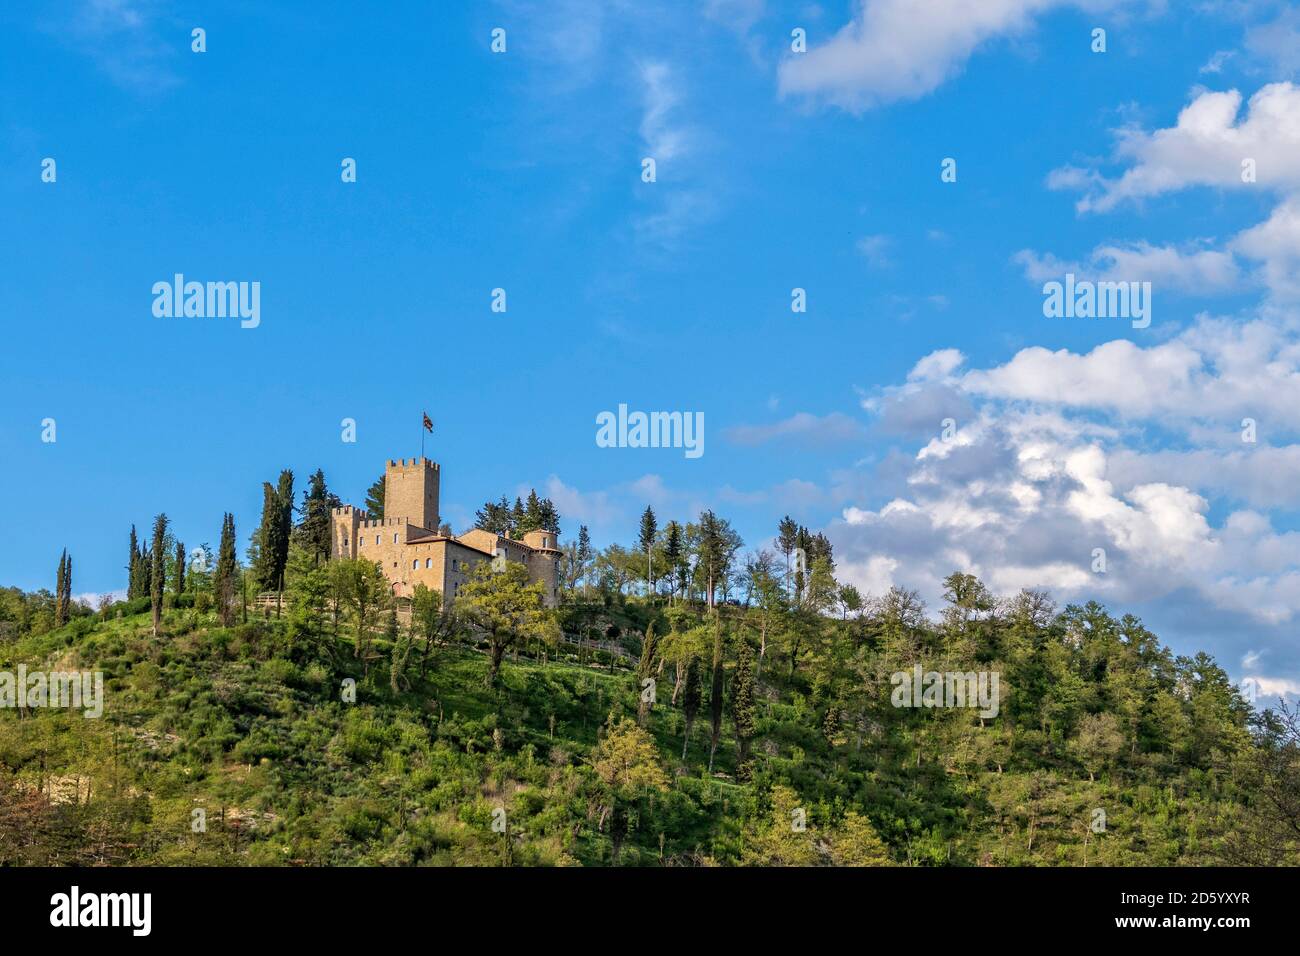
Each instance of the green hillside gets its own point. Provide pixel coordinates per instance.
(249, 724)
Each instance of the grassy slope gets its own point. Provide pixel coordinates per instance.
(252, 730)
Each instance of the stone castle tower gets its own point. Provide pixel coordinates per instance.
(411, 492)
(408, 547)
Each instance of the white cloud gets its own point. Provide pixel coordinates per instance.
(895, 50)
(1206, 147)
(803, 427)
(1277, 41)
(1275, 243)
(121, 37)
(678, 211)
(1270, 687)
(1052, 464)
(1262, 476)
(937, 365)
(1116, 375)
(1216, 62)
(576, 507)
(678, 202)
(569, 39)
(740, 17)
(1212, 144)
(875, 249)
(794, 494)
(92, 598)
(1191, 270)
(1216, 371)
(664, 137)
(875, 575)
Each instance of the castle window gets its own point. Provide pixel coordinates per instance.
(415, 564)
(428, 562)
(394, 537)
(376, 539)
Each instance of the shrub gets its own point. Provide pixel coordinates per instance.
(280, 671)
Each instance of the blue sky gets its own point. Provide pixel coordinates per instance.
(775, 170)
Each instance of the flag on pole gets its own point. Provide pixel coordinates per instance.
(428, 427)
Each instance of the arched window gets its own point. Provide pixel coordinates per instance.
(394, 537)
(428, 562)
(415, 564)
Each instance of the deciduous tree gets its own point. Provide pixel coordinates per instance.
(507, 608)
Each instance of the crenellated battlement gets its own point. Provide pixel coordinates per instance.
(420, 555)
(383, 523)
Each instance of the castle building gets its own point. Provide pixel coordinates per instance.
(409, 549)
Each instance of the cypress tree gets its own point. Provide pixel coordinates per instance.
(67, 588)
(283, 531)
(60, 605)
(644, 668)
(673, 550)
(158, 551)
(715, 690)
(803, 542)
(742, 707)
(142, 572)
(132, 567)
(271, 543)
(584, 553)
(259, 552)
(223, 579)
(401, 652)
(180, 568)
(690, 699)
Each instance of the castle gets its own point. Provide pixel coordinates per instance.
(409, 549)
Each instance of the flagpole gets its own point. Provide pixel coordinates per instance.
(421, 436)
